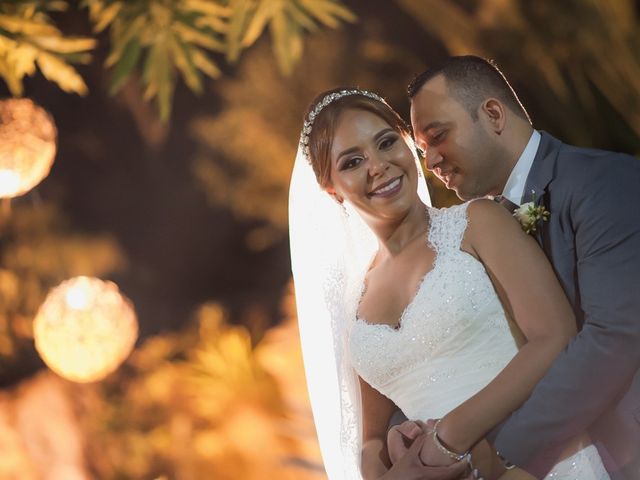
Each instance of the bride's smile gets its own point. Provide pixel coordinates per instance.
(387, 189)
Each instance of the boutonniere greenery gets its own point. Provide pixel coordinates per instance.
(530, 215)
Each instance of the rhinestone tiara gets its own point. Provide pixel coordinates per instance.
(328, 99)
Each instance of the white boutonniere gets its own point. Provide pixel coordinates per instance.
(529, 215)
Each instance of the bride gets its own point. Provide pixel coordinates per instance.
(451, 314)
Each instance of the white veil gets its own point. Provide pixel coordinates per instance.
(331, 248)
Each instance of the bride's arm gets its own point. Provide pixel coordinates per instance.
(531, 293)
(376, 415)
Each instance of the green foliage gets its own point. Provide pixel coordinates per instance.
(30, 40)
(156, 41)
(169, 37)
(166, 37)
(287, 21)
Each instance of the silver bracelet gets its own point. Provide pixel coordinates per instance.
(438, 443)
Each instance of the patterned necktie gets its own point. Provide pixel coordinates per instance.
(506, 203)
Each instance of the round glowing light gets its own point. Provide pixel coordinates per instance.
(27, 146)
(85, 329)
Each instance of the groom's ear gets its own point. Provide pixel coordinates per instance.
(495, 113)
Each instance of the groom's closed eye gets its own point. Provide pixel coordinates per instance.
(435, 138)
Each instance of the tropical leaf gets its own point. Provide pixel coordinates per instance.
(125, 65)
(106, 16)
(29, 39)
(183, 60)
(327, 12)
(287, 42)
(57, 5)
(123, 34)
(21, 57)
(61, 73)
(25, 26)
(238, 22)
(205, 65)
(12, 78)
(302, 18)
(208, 8)
(263, 14)
(338, 11)
(78, 57)
(197, 37)
(287, 21)
(216, 24)
(158, 76)
(61, 44)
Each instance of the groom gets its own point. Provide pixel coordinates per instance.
(478, 139)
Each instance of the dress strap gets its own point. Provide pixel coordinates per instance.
(447, 227)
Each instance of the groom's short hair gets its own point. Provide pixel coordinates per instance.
(471, 80)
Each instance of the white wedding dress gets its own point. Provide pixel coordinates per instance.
(452, 340)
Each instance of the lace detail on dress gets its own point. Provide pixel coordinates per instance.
(447, 227)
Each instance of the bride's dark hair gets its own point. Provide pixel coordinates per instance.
(325, 123)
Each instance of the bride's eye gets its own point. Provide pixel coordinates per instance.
(388, 142)
(350, 163)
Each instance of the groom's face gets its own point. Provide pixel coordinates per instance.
(459, 150)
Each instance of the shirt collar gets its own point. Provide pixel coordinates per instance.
(514, 188)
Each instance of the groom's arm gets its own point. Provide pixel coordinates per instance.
(596, 368)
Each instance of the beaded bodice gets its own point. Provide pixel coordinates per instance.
(452, 339)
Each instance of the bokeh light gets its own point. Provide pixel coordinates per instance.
(27, 146)
(85, 329)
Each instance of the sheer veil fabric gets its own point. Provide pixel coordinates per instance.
(331, 249)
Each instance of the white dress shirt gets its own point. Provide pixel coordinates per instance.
(514, 189)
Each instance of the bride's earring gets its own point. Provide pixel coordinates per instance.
(336, 198)
(340, 201)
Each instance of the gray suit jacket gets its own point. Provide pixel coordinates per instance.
(593, 241)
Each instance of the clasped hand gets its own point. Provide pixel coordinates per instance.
(400, 437)
(402, 442)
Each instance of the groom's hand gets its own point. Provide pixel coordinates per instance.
(400, 438)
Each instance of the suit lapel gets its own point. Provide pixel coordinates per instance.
(540, 176)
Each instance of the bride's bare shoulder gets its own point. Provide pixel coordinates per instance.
(488, 219)
(484, 210)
